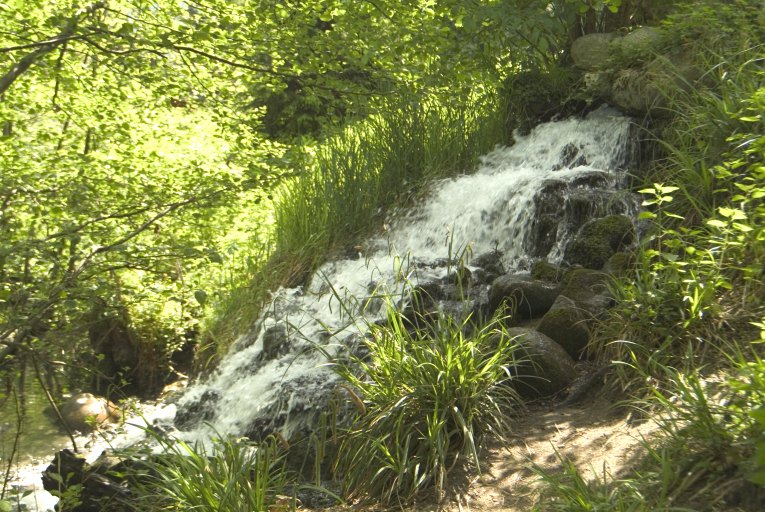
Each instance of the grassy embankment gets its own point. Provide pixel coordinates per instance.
(690, 310)
(688, 329)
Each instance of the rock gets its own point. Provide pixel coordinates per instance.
(643, 89)
(85, 411)
(619, 264)
(571, 156)
(588, 289)
(194, 412)
(544, 271)
(491, 264)
(85, 488)
(634, 91)
(544, 367)
(276, 342)
(598, 83)
(548, 212)
(639, 43)
(567, 325)
(598, 240)
(591, 179)
(592, 51)
(524, 296)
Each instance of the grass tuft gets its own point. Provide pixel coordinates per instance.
(425, 397)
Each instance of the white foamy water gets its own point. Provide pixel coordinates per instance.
(490, 210)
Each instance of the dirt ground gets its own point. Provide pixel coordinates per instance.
(596, 437)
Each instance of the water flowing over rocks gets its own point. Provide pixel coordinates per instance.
(526, 203)
(467, 251)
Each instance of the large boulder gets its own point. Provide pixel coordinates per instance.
(544, 368)
(592, 51)
(525, 297)
(566, 324)
(588, 289)
(638, 44)
(85, 411)
(598, 240)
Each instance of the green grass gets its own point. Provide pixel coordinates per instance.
(425, 397)
(231, 476)
(358, 174)
(344, 188)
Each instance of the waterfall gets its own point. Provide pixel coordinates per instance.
(524, 202)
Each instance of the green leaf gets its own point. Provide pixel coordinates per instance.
(201, 297)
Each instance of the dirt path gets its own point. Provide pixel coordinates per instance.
(595, 437)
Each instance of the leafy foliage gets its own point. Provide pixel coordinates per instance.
(426, 396)
(233, 475)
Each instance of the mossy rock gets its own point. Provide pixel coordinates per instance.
(567, 325)
(545, 271)
(598, 240)
(525, 297)
(619, 264)
(544, 368)
(588, 289)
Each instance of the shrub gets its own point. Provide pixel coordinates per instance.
(426, 395)
(232, 475)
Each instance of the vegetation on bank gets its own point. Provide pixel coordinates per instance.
(689, 325)
(687, 330)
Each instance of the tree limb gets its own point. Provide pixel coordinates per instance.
(55, 42)
(45, 47)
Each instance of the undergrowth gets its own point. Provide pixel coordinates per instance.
(687, 332)
(425, 396)
(231, 475)
(344, 186)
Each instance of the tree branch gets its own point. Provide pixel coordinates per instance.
(54, 42)
(45, 47)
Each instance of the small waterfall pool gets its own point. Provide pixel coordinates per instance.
(273, 379)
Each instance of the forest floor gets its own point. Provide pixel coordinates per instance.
(597, 437)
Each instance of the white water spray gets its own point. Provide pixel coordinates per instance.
(273, 381)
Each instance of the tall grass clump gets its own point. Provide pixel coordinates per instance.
(425, 397)
(230, 476)
(373, 165)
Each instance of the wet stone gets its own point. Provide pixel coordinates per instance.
(199, 411)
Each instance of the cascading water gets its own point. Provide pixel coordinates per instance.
(525, 202)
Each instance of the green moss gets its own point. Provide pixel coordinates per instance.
(619, 264)
(545, 271)
(598, 240)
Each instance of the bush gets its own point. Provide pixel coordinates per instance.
(425, 397)
(232, 475)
